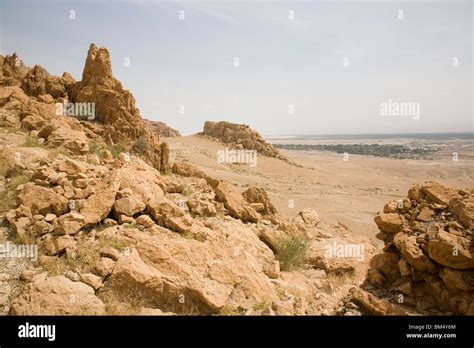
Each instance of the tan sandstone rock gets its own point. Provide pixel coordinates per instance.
(389, 223)
(56, 296)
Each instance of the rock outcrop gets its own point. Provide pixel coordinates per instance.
(12, 70)
(240, 136)
(427, 265)
(161, 129)
(45, 103)
(114, 106)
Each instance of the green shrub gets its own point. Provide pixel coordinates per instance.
(94, 148)
(291, 251)
(4, 166)
(140, 146)
(116, 149)
(31, 142)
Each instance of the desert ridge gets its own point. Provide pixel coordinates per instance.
(127, 223)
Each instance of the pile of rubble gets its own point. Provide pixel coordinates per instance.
(427, 265)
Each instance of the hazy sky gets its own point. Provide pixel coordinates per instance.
(291, 57)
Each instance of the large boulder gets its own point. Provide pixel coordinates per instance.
(169, 215)
(131, 273)
(257, 195)
(128, 204)
(464, 210)
(41, 200)
(413, 253)
(56, 296)
(98, 206)
(341, 255)
(238, 207)
(226, 267)
(452, 251)
(59, 133)
(144, 181)
(438, 193)
(389, 223)
(69, 223)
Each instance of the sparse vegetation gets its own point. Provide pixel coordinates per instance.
(260, 306)
(335, 280)
(114, 243)
(140, 146)
(94, 148)
(291, 251)
(188, 191)
(4, 166)
(127, 302)
(9, 195)
(85, 257)
(229, 311)
(116, 149)
(31, 142)
(53, 153)
(378, 150)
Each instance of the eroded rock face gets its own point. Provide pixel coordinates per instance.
(12, 70)
(428, 258)
(240, 136)
(34, 106)
(115, 106)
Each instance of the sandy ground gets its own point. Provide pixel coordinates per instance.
(346, 194)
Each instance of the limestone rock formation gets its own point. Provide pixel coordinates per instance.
(35, 107)
(240, 136)
(115, 106)
(12, 70)
(161, 129)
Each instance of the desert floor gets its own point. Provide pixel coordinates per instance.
(346, 194)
